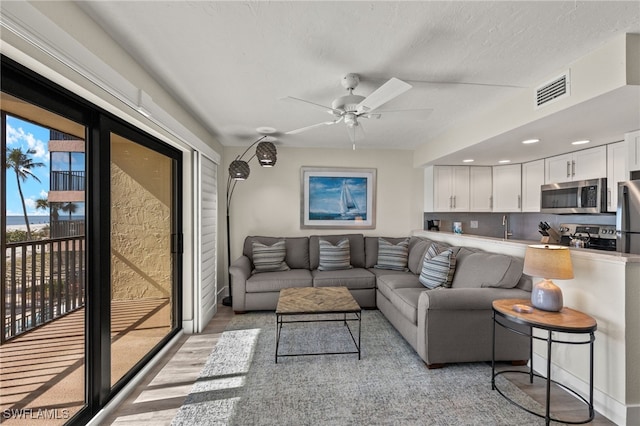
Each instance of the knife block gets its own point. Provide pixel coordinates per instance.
(552, 238)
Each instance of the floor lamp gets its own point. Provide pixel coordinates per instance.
(239, 170)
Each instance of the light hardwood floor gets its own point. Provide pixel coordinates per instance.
(157, 399)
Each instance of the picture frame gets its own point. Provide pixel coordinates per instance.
(338, 197)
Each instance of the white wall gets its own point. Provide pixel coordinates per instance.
(268, 203)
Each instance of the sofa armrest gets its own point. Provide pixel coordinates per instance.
(239, 271)
(455, 325)
(466, 298)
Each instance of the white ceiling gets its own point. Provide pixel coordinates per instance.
(231, 63)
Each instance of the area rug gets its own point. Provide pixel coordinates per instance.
(241, 384)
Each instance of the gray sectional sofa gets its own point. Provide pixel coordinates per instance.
(449, 323)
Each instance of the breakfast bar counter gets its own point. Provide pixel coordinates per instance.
(606, 286)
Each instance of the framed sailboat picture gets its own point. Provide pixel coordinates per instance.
(338, 198)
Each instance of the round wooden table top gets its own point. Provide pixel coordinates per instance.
(566, 319)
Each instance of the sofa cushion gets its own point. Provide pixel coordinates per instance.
(438, 270)
(392, 256)
(403, 292)
(334, 257)
(276, 281)
(483, 269)
(297, 249)
(269, 258)
(417, 248)
(356, 278)
(356, 247)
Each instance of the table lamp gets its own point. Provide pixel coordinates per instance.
(548, 262)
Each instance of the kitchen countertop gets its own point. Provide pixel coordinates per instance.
(601, 255)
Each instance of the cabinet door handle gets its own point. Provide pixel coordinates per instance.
(519, 201)
(609, 197)
(454, 201)
(568, 169)
(491, 201)
(451, 202)
(573, 168)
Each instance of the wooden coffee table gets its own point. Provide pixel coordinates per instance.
(316, 302)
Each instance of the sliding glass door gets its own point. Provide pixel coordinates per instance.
(142, 260)
(91, 223)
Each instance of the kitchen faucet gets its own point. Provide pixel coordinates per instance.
(505, 223)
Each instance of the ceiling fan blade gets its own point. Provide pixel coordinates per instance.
(382, 95)
(381, 111)
(322, 107)
(304, 129)
(468, 83)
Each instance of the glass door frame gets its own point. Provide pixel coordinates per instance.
(31, 87)
(101, 191)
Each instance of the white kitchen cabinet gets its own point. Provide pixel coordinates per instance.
(532, 180)
(480, 189)
(579, 165)
(633, 149)
(451, 188)
(616, 172)
(507, 188)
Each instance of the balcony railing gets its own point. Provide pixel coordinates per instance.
(67, 180)
(44, 280)
(66, 228)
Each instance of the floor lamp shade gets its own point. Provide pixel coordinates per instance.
(547, 262)
(239, 170)
(266, 154)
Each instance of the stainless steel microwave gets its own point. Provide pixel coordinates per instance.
(585, 196)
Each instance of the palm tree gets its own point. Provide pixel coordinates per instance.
(22, 163)
(70, 208)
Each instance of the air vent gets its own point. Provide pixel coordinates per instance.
(553, 90)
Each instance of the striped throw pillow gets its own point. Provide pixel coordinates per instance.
(269, 258)
(333, 258)
(438, 271)
(392, 256)
(434, 250)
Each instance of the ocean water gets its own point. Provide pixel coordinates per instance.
(33, 220)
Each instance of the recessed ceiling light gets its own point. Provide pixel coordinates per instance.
(468, 160)
(504, 161)
(580, 142)
(529, 141)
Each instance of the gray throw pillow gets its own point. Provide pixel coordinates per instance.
(336, 257)
(269, 258)
(392, 256)
(438, 270)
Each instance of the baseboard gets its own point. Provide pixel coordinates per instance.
(188, 326)
(602, 403)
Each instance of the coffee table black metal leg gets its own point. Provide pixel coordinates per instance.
(278, 329)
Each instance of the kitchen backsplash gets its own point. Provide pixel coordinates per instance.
(523, 226)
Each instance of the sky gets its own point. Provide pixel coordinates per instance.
(27, 135)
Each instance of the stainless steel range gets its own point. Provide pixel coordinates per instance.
(598, 237)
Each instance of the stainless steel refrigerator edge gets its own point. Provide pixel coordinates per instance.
(628, 217)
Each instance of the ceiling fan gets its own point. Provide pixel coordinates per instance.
(351, 108)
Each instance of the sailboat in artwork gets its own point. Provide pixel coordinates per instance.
(348, 207)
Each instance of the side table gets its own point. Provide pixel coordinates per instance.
(566, 321)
